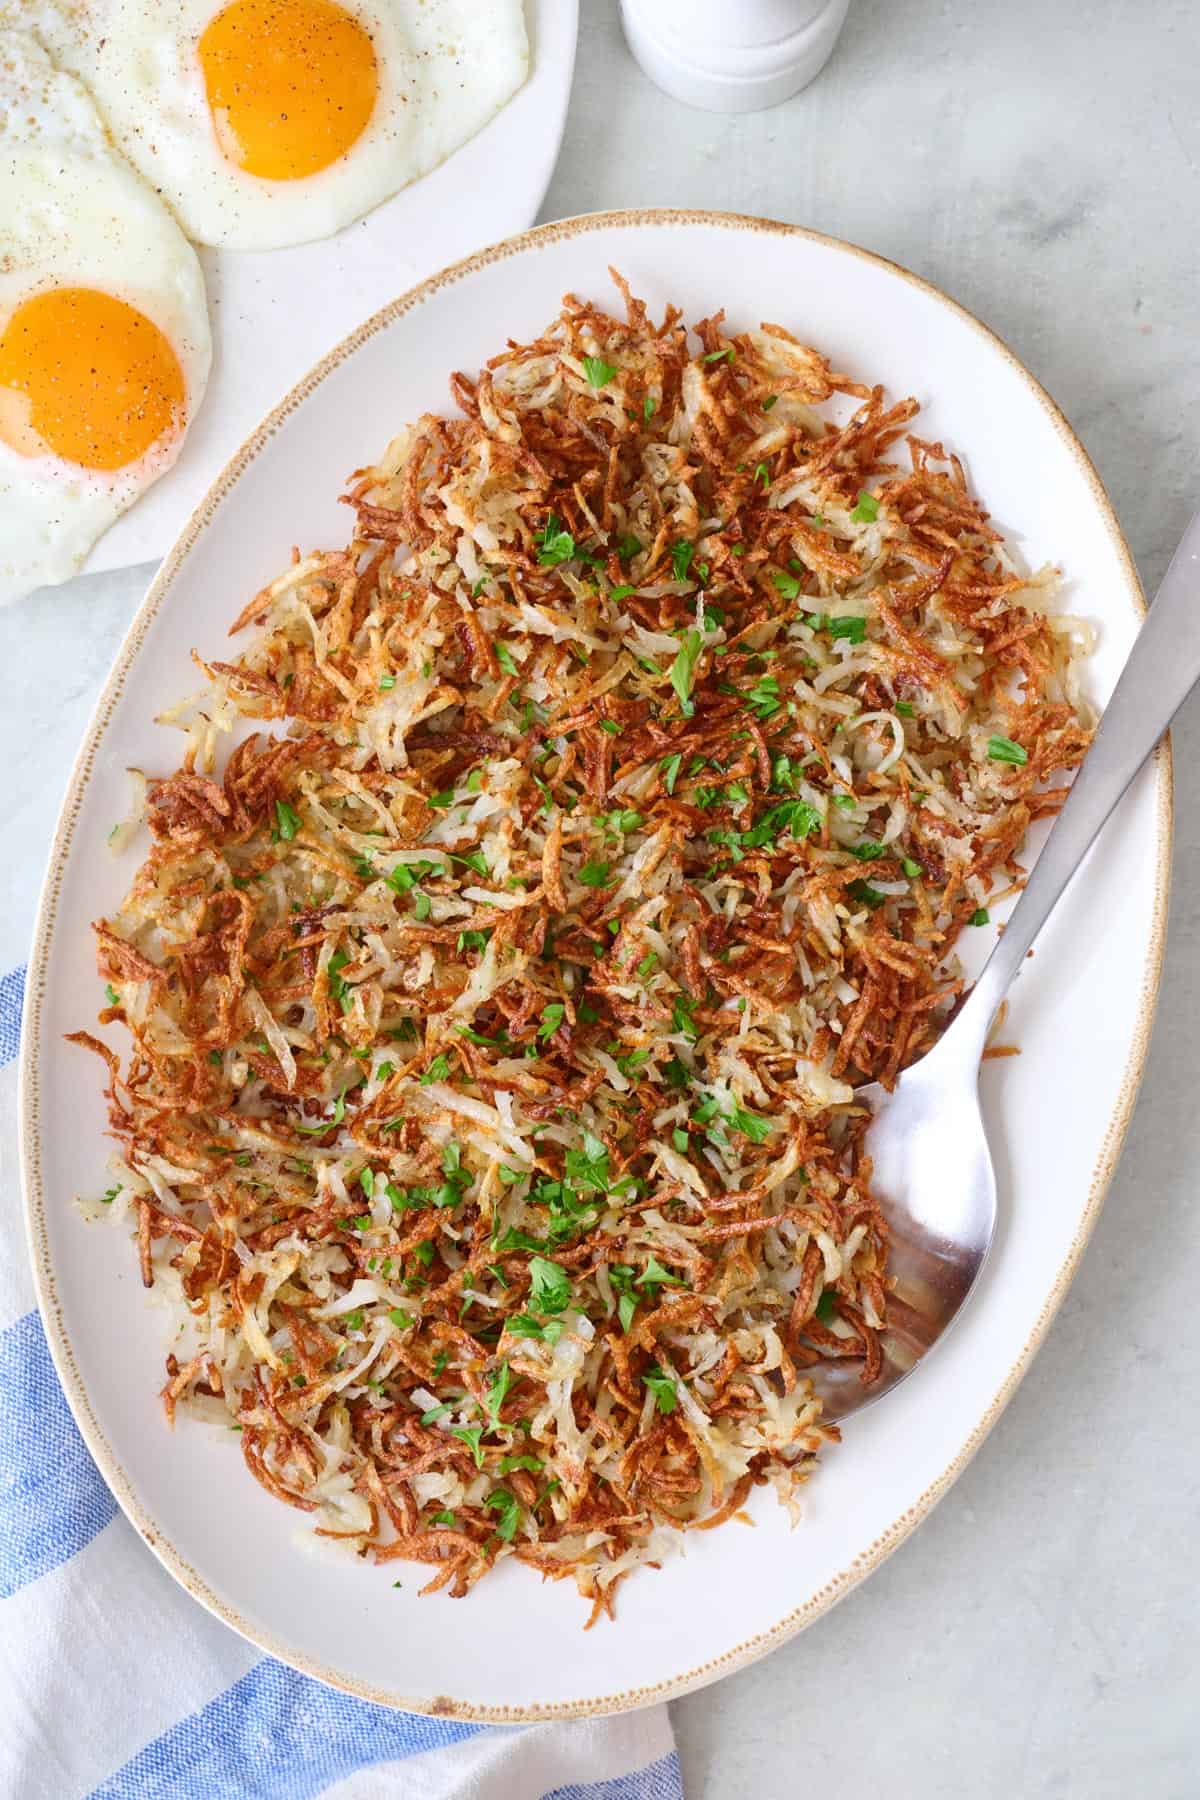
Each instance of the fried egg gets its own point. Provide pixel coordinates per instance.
(104, 339)
(272, 122)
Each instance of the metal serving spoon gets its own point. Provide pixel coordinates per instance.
(932, 1168)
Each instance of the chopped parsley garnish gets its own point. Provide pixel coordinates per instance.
(524, 1325)
(111, 994)
(654, 1276)
(981, 916)
(670, 767)
(552, 1018)
(683, 671)
(906, 709)
(867, 895)
(853, 629)
(788, 585)
(762, 473)
(497, 1389)
(438, 1070)
(867, 510)
(769, 401)
(555, 545)
(681, 1017)
(649, 408)
(716, 356)
(470, 1435)
(757, 1129)
(595, 874)
(504, 657)
(662, 1386)
(681, 559)
(509, 1509)
(588, 1168)
(1002, 749)
(628, 547)
(826, 1307)
(287, 823)
(550, 1286)
(598, 372)
(869, 850)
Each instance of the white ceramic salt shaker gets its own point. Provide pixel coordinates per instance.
(732, 55)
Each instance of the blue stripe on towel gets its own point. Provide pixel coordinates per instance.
(274, 1735)
(12, 993)
(52, 1498)
(661, 1780)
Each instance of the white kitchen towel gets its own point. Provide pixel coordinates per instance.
(117, 1684)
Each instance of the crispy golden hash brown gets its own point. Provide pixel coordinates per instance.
(497, 1014)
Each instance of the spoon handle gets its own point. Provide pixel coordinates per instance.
(1163, 667)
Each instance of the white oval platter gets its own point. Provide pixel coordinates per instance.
(1056, 1113)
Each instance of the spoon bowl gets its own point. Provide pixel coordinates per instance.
(933, 1178)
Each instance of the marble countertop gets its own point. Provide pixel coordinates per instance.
(1037, 1638)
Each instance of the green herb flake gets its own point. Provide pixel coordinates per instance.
(681, 559)
(683, 670)
(867, 510)
(555, 545)
(788, 585)
(670, 767)
(509, 1509)
(550, 1286)
(552, 1018)
(497, 1388)
(470, 1435)
(981, 916)
(716, 356)
(1002, 749)
(906, 709)
(865, 894)
(662, 1386)
(438, 1070)
(853, 629)
(507, 661)
(287, 822)
(599, 373)
(386, 683)
(757, 1129)
(595, 874)
(826, 1307)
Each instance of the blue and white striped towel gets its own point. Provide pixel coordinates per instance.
(85, 1612)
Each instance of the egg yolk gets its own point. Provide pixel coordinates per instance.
(88, 378)
(290, 83)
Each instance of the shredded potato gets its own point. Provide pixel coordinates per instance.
(496, 1024)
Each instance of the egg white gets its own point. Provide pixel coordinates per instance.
(76, 215)
(445, 67)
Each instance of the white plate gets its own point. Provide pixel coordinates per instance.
(274, 312)
(1057, 1113)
